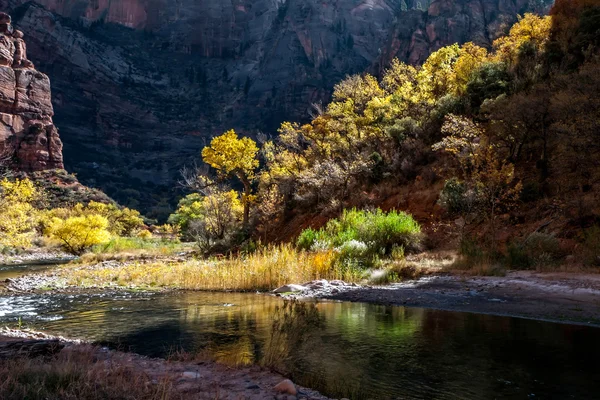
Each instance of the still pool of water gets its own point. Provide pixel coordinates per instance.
(342, 349)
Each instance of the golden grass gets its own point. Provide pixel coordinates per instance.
(78, 375)
(266, 269)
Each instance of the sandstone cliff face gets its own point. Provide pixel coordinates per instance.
(28, 138)
(139, 85)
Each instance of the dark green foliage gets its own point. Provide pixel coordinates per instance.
(403, 128)
(538, 250)
(531, 192)
(487, 82)
(458, 198)
(591, 246)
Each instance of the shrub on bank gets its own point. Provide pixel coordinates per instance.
(362, 236)
(78, 234)
(538, 250)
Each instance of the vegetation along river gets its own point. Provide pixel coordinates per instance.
(342, 349)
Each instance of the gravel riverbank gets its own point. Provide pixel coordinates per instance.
(559, 297)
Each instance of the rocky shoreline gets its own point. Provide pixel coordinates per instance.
(555, 297)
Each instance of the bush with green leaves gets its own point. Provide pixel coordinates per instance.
(458, 198)
(365, 236)
(591, 246)
(538, 250)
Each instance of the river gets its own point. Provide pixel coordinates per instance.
(355, 350)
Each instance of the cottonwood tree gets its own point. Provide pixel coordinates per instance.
(236, 157)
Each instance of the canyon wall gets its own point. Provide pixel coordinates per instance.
(28, 138)
(140, 85)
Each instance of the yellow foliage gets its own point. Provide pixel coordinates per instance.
(530, 28)
(122, 222)
(144, 234)
(229, 154)
(470, 57)
(18, 217)
(436, 76)
(77, 234)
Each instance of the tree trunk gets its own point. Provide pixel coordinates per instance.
(246, 199)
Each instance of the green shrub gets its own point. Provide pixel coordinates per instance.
(307, 238)
(538, 250)
(456, 197)
(591, 245)
(362, 237)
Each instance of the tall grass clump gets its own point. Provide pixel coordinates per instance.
(363, 237)
(265, 269)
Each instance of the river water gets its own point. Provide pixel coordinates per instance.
(355, 350)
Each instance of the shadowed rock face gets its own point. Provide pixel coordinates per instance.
(139, 85)
(28, 138)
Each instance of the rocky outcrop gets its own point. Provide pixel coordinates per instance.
(140, 85)
(28, 137)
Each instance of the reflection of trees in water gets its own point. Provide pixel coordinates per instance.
(350, 349)
(294, 325)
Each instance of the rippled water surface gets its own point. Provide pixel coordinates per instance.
(342, 349)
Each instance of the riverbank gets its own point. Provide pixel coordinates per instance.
(568, 297)
(556, 297)
(81, 371)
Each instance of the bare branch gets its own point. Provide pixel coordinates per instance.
(316, 110)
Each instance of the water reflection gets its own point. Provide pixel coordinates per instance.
(353, 350)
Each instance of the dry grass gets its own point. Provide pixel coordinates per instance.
(266, 269)
(77, 375)
(128, 249)
(413, 267)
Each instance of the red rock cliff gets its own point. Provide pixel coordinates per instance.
(27, 135)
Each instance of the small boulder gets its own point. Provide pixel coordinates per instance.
(286, 386)
(291, 288)
(191, 375)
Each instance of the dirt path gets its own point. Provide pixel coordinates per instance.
(561, 297)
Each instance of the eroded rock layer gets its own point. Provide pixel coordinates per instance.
(28, 137)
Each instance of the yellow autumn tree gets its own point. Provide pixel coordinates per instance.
(530, 29)
(436, 76)
(78, 234)
(470, 57)
(18, 217)
(234, 156)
